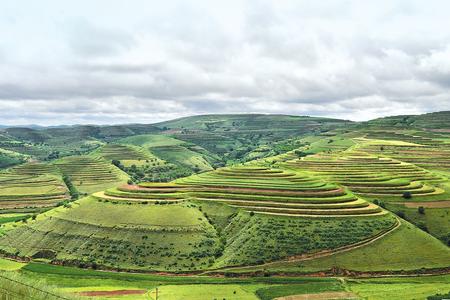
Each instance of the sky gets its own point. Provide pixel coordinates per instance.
(109, 62)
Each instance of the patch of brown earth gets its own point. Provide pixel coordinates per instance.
(429, 204)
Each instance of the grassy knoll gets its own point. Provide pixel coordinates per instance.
(264, 214)
(90, 233)
(261, 238)
(407, 248)
(178, 153)
(435, 221)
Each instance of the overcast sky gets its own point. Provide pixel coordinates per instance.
(103, 62)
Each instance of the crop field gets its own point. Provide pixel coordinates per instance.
(266, 206)
(228, 207)
(122, 153)
(28, 193)
(90, 174)
(373, 176)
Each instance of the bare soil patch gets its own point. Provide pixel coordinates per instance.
(429, 204)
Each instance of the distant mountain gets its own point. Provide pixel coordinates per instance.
(258, 122)
(436, 120)
(46, 134)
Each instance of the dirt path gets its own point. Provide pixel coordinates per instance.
(428, 204)
(321, 296)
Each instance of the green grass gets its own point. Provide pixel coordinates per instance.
(407, 248)
(13, 217)
(10, 265)
(90, 174)
(205, 291)
(400, 288)
(151, 140)
(272, 292)
(147, 237)
(436, 221)
(15, 286)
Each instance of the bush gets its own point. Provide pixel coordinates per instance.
(400, 213)
(72, 189)
(421, 210)
(407, 195)
(422, 226)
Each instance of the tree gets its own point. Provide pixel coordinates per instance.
(421, 210)
(400, 213)
(407, 195)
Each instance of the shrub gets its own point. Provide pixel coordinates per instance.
(72, 189)
(422, 226)
(407, 195)
(400, 213)
(421, 210)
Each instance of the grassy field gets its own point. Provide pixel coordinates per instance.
(71, 280)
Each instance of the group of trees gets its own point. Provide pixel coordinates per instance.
(149, 173)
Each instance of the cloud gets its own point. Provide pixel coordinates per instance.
(148, 61)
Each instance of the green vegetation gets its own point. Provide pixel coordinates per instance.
(14, 286)
(229, 195)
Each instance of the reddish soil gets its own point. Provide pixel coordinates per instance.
(112, 293)
(241, 189)
(429, 204)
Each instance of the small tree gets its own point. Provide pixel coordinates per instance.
(421, 210)
(407, 195)
(401, 214)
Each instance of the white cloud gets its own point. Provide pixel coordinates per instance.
(145, 61)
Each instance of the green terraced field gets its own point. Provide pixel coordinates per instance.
(20, 192)
(153, 237)
(251, 195)
(90, 174)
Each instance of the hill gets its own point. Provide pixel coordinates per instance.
(436, 121)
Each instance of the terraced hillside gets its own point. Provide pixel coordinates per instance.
(232, 216)
(372, 176)
(176, 152)
(90, 174)
(30, 193)
(433, 154)
(158, 237)
(234, 136)
(10, 158)
(410, 179)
